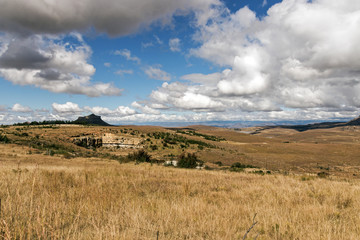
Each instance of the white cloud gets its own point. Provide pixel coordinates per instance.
(20, 108)
(158, 40)
(303, 55)
(124, 111)
(107, 64)
(145, 109)
(247, 75)
(157, 74)
(203, 78)
(47, 63)
(127, 54)
(124, 71)
(193, 101)
(68, 108)
(146, 45)
(182, 97)
(174, 44)
(119, 111)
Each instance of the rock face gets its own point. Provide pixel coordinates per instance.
(91, 120)
(107, 140)
(88, 141)
(111, 140)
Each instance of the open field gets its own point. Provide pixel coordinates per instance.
(106, 200)
(51, 188)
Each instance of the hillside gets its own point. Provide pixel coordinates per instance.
(275, 149)
(76, 182)
(313, 126)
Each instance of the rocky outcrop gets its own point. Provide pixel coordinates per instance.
(88, 141)
(91, 120)
(107, 140)
(111, 140)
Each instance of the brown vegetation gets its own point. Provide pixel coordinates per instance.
(51, 188)
(127, 201)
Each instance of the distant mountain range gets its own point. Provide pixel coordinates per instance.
(323, 125)
(301, 125)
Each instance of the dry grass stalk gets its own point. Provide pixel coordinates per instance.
(251, 227)
(127, 201)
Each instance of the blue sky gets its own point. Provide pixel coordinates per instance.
(135, 61)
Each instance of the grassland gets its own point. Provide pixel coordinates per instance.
(79, 193)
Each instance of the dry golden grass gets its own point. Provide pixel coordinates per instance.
(108, 200)
(92, 197)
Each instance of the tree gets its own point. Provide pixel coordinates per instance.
(188, 160)
(4, 138)
(139, 156)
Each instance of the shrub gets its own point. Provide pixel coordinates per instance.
(4, 138)
(51, 152)
(240, 165)
(188, 160)
(261, 172)
(219, 163)
(139, 156)
(323, 174)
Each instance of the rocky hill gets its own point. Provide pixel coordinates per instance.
(92, 119)
(354, 122)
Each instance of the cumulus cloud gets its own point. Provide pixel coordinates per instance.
(157, 74)
(33, 53)
(203, 78)
(109, 16)
(246, 76)
(120, 111)
(48, 63)
(180, 96)
(196, 101)
(145, 108)
(68, 108)
(127, 54)
(20, 108)
(107, 64)
(302, 55)
(174, 44)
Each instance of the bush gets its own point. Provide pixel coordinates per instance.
(323, 174)
(219, 163)
(139, 156)
(188, 160)
(261, 172)
(240, 165)
(4, 138)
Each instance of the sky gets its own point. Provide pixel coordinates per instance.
(139, 61)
